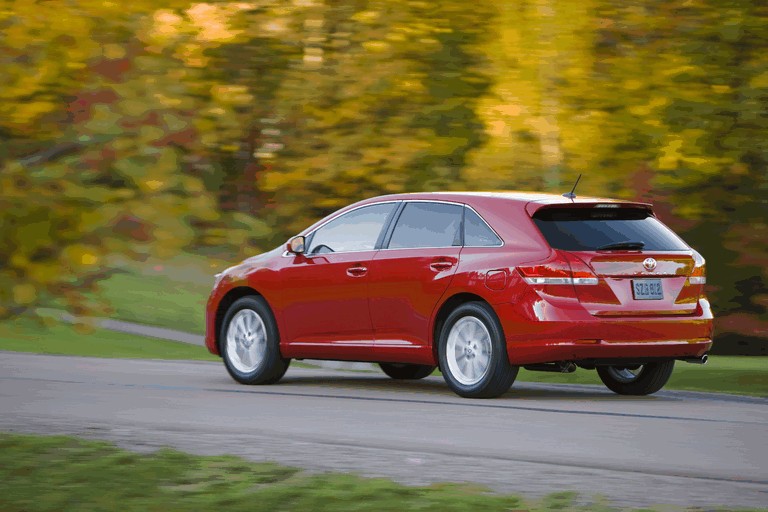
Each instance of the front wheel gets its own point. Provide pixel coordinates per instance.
(401, 371)
(644, 379)
(473, 353)
(250, 343)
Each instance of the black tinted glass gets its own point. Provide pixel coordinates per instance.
(587, 229)
(357, 230)
(476, 231)
(427, 225)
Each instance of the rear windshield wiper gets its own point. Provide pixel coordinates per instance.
(631, 246)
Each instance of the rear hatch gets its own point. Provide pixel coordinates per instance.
(623, 260)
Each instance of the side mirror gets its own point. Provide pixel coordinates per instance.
(296, 245)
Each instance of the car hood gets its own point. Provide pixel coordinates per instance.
(239, 271)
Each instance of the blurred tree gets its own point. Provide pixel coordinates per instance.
(542, 117)
(698, 117)
(661, 102)
(105, 129)
(159, 125)
(381, 100)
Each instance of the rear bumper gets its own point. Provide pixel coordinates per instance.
(581, 350)
(572, 334)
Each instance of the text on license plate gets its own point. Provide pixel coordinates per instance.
(647, 289)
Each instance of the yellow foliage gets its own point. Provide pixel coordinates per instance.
(760, 81)
(231, 94)
(376, 46)
(78, 256)
(19, 260)
(633, 84)
(153, 185)
(24, 294)
(89, 259)
(166, 26)
(365, 16)
(213, 21)
(670, 155)
(113, 51)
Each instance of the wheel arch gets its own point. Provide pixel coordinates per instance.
(445, 309)
(226, 301)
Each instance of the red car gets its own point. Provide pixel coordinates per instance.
(477, 284)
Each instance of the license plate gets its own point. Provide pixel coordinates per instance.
(647, 289)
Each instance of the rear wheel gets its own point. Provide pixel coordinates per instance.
(401, 371)
(643, 379)
(473, 353)
(250, 343)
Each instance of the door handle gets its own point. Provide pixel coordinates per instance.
(439, 266)
(357, 271)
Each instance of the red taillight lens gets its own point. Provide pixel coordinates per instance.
(560, 270)
(694, 286)
(699, 274)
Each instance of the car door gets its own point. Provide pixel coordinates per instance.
(410, 274)
(325, 291)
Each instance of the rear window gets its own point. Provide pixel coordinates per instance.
(588, 229)
(476, 232)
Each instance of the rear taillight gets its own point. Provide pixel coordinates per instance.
(699, 274)
(693, 289)
(561, 269)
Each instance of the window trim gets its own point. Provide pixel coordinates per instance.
(308, 236)
(464, 231)
(385, 245)
(389, 227)
(383, 242)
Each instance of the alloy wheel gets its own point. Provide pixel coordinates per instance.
(246, 341)
(468, 350)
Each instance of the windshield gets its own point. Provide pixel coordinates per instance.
(590, 229)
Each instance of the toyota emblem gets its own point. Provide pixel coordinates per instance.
(649, 264)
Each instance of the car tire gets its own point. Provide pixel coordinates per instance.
(473, 353)
(402, 371)
(250, 343)
(645, 380)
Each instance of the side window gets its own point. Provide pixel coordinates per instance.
(476, 231)
(357, 230)
(427, 225)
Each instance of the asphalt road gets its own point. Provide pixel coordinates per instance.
(680, 448)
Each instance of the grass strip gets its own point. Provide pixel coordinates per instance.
(24, 334)
(743, 375)
(164, 293)
(41, 473)
(157, 300)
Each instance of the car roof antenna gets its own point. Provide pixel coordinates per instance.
(572, 194)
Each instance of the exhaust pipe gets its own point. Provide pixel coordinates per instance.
(696, 360)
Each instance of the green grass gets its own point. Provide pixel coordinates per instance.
(170, 293)
(158, 300)
(63, 473)
(31, 335)
(745, 375)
